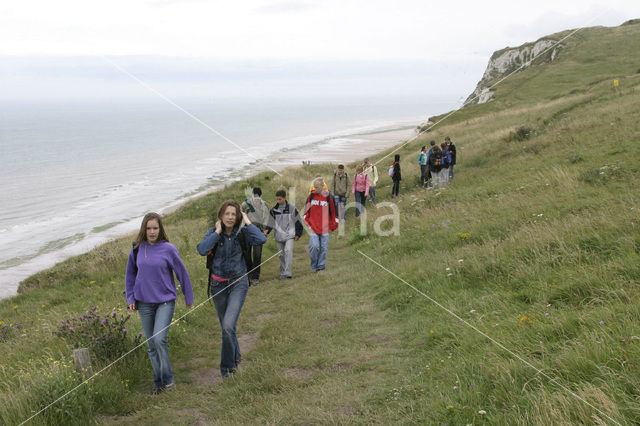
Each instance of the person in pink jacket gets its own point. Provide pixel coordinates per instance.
(360, 189)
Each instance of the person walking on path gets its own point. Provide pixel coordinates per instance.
(151, 290)
(320, 216)
(340, 190)
(227, 259)
(372, 171)
(360, 189)
(435, 165)
(396, 176)
(452, 149)
(257, 211)
(422, 162)
(284, 218)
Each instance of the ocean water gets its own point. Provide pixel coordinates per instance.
(75, 175)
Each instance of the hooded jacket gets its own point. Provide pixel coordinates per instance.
(286, 223)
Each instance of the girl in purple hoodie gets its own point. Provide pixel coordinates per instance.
(151, 291)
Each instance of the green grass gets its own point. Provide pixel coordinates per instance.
(540, 238)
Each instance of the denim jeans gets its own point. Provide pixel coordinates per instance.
(361, 199)
(372, 195)
(396, 188)
(423, 174)
(318, 247)
(341, 203)
(155, 319)
(451, 172)
(228, 304)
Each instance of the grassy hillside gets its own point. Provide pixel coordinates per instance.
(536, 244)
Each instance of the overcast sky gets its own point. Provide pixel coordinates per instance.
(263, 47)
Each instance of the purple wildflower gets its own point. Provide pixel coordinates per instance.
(104, 321)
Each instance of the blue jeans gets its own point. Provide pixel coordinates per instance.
(155, 319)
(318, 247)
(228, 305)
(361, 200)
(372, 195)
(341, 203)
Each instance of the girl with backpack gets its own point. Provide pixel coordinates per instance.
(320, 216)
(151, 291)
(226, 243)
(360, 189)
(396, 176)
(436, 166)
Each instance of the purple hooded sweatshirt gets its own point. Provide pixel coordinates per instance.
(152, 280)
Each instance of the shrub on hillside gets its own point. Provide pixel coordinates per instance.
(104, 335)
(522, 133)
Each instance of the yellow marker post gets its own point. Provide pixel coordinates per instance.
(616, 83)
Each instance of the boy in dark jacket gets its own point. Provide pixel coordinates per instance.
(452, 149)
(396, 177)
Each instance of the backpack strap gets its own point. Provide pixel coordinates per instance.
(135, 254)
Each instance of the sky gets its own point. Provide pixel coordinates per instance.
(91, 49)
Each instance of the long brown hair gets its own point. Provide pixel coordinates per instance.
(223, 208)
(142, 235)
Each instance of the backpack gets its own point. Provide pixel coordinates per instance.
(245, 254)
(252, 209)
(435, 159)
(391, 170)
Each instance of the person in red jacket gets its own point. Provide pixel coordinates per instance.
(320, 216)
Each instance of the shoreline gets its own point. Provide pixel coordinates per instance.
(340, 149)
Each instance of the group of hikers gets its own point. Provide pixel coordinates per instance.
(233, 248)
(436, 164)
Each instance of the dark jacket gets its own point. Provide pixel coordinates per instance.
(452, 150)
(228, 261)
(397, 175)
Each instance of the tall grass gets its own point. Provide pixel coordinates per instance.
(535, 244)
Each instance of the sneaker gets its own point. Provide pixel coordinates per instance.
(156, 391)
(169, 387)
(282, 277)
(289, 277)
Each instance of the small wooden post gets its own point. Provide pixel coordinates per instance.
(82, 362)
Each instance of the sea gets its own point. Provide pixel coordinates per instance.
(77, 174)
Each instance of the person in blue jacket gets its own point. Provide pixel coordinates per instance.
(226, 242)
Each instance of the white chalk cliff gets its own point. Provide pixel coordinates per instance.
(508, 60)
